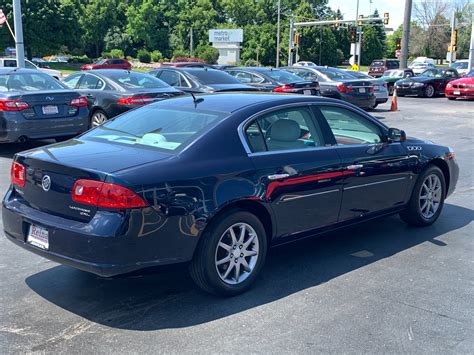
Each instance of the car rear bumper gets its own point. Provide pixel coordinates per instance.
(360, 101)
(111, 243)
(13, 126)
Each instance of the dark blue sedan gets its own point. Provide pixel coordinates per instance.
(215, 180)
(33, 105)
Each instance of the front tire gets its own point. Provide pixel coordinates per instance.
(230, 254)
(427, 199)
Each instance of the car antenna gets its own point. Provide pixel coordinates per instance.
(196, 100)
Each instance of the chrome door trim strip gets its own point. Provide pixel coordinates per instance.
(293, 197)
(374, 183)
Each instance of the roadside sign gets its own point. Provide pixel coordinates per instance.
(3, 18)
(398, 53)
(355, 67)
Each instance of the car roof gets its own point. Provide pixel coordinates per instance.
(231, 102)
(8, 70)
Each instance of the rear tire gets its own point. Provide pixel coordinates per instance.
(227, 265)
(429, 91)
(98, 117)
(427, 198)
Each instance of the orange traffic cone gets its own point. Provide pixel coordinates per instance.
(394, 106)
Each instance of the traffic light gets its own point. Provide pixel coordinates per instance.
(353, 34)
(337, 22)
(398, 43)
(360, 18)
(386, 17)
(296, 39)
(454, 38)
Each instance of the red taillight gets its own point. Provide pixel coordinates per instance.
(344, 88)
(18, 174)
(135, 100)
(283, 88)
(80, 101)
(13, 105)
(372, 88)
(101, 194)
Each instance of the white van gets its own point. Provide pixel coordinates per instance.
(11, 62)
(422, 60)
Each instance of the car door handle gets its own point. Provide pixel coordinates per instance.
(354, 167)
(278, 176)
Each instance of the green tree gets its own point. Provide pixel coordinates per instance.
(391, 42)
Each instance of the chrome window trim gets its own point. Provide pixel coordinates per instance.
(243, 125)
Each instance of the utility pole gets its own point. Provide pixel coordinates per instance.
(191, 43)
(353, 59)
(290, 43)
(278, 36)
(406, 34)
(471, 50)
(452, 45)
(359, 48)
(20, 49)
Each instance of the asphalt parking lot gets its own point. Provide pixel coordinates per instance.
(378, 287)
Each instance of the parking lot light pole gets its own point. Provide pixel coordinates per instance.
(471, 50)
(20, 49)
(278, 36)
(405, 35)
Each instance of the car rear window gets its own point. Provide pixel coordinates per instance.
(210, 76)
(336, 75)
(130, 79)
(155, 127)
(283, 77)
(377, 63)
(29, 82)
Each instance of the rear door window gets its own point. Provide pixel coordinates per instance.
(72, 80)
(170, 77)
(89, 82)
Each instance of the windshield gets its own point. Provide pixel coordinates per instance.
(377, 63)
(28, 82)
(392, 73)
(100, 61)
(336, 75)
(470, 74)
(211, 76)
(131, 79)
(461, 65)
(282, 76)
(156, 127)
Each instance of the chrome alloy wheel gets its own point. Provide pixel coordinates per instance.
(430, 196)
(98, 118)
(237, 253)
(430, 91)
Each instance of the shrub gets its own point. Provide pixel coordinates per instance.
(156, 56)
(116, 53)
(180, 53)
(144, 56)
(106, 55)
(251, 63)
(207, 53)
(80, 59)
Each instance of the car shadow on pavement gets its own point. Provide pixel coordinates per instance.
(8, 150)
(169, 299)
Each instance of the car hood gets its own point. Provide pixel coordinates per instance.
(96, 156)
(467, 81)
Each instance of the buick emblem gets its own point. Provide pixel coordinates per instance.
(49, 98)
(46, 183)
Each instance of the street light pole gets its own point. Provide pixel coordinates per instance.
(405, 35)
(20, 50)
(278, 36)
(471, 50)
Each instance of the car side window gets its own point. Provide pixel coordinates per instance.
(89, 82)
(29, 65)
(349, 127)
(72, 80)
(183, 82)
(288, 129)
(170, 77)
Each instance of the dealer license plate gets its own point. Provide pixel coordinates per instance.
(50, 110)
(38, 236)
(307, 92)
(457, 92)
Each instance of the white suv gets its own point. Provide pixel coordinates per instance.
(11, 62)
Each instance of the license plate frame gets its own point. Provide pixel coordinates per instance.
(50, 110)
(38, 236)
(361, 90)
(457, 92)
(307, 92)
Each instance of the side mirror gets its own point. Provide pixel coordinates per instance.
(396, 135)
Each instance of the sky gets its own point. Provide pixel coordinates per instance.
(394, 7)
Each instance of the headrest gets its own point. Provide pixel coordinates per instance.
(285, 130)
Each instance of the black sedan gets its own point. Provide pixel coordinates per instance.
(111, 92)
(430, 83)
(34, 105)
(338, 84)
(269, 79)
(199, 80)
(215, 180)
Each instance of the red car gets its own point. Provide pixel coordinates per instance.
(461, 88)
(108, 64)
